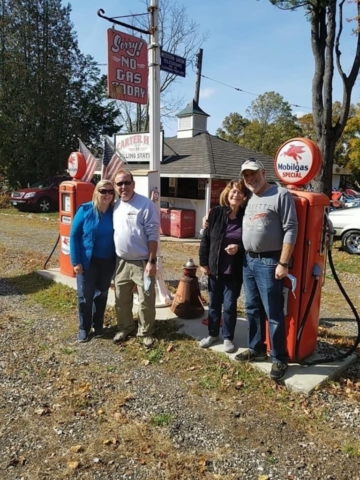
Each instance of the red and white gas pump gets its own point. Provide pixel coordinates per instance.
(72, 194)
(296, 163)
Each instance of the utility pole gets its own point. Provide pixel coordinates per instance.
(199, 57)
(163, 296)
(162, 293)
(154, 90)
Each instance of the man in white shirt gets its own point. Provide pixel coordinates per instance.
(136, 236)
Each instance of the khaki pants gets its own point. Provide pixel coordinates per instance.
(127, 274)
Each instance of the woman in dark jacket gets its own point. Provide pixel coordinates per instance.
(92, 253)
(221, 253)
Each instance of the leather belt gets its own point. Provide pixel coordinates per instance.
(273, 253)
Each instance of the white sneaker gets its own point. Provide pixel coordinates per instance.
(229, 346)
(208, 341)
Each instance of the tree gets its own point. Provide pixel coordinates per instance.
(341, 151)
(49, 92)
(232, 127)
(180, 35)
(326, 27)
(352, 130)
(271, 124)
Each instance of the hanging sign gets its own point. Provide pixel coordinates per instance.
(173, 63)
(127, 67)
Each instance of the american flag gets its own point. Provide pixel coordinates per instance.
(111, 162)
(90, 162)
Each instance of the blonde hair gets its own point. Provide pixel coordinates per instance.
(240, 185)
(95, 197)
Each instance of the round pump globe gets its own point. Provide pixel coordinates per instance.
(297, 161)
(76, 165)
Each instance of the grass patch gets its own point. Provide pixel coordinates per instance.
(155, 355)
(353, 449)
(162, 419)
(56, 297)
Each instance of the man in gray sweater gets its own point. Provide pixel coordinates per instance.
(269, 235)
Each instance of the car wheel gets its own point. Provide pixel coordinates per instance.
(44, 205)
(350, 241)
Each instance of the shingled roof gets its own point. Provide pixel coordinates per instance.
(207, 155)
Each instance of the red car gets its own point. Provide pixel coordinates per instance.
(42, 196)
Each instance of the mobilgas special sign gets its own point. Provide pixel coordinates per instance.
(297, 161)
(127, 67)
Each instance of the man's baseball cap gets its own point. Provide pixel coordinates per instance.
(252, 164)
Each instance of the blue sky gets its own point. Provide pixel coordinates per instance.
(252, 45)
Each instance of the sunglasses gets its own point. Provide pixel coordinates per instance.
(103, 191)
(126, 183)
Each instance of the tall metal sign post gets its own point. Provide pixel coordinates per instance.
(154, 90)
(163, 297)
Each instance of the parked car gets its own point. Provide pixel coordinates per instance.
(42, 196)
(346, 222)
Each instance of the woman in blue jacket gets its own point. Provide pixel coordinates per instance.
(92, 254)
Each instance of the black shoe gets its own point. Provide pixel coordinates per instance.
(251, 356)
(278, 371)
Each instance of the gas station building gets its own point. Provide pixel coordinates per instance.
(195, 167)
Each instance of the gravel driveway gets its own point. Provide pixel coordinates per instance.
(225, 437)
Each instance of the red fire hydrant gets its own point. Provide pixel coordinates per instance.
(187, 302)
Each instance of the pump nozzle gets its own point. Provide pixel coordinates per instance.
(316, 271)
(329, 231)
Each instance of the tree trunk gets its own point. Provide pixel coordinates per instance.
(323, 182)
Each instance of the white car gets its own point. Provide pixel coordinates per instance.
(346, 222)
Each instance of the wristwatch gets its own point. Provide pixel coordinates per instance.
(152, 260)
(285, 265)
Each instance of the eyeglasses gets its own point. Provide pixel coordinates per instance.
(103, 191)
(126, 183)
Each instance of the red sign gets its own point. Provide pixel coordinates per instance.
(127, 67)
(217, 186)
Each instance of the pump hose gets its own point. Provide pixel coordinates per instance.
(353, 309)
(52, 251)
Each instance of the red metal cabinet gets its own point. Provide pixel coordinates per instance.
(177, 222)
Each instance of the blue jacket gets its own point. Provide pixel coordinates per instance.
(83, 233)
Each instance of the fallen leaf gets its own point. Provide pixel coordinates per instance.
(77, 448)
(42, 411)
(74, 465)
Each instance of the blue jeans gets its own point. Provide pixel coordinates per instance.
(264, 299)
(223, 290)
(92, 292)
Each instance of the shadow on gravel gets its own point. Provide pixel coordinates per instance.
(334, 322)
(26, 284)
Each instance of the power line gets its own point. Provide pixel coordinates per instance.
(249, 93)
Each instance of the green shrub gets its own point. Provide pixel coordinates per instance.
(4, 200)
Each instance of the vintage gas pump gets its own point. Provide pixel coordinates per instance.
(72, 194)
(296, 163)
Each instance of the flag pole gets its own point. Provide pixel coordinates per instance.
(103, 168)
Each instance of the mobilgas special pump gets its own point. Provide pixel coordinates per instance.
(296, 163)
